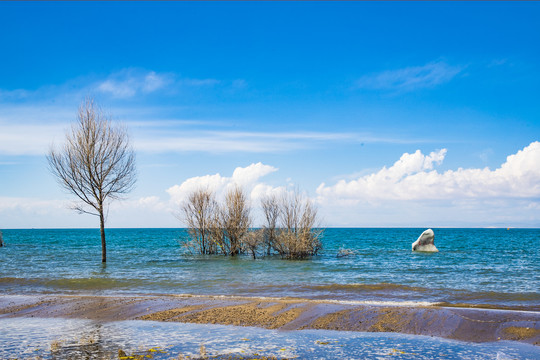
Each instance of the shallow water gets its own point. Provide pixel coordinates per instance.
(487, 266)
(77, 339)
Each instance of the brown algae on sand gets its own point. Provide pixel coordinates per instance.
(170, 315)
(267, 315)
(520, 333)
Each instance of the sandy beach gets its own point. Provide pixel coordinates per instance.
(457, 323)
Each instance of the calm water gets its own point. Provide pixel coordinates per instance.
(487, 266)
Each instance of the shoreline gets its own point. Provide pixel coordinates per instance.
(450, 321)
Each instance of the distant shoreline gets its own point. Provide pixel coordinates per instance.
(451, 322)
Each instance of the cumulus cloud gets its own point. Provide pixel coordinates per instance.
(410, 78)
(245, 177)
(412, 178)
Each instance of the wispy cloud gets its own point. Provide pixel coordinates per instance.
(130, 82)
(125, 84)
(227, 141)
(30, 130)
(218, 141)
(410, 78)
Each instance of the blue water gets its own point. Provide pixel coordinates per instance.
(474, 266)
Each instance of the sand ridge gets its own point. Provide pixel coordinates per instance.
(467, 324)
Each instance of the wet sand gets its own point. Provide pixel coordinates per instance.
(458, 323)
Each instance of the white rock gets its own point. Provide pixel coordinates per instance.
(425, 242)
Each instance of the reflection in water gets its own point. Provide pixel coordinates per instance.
(25, 338)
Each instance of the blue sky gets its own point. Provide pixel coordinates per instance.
(385, 114)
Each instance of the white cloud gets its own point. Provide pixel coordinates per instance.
(30, 130)
(245, 177)
(32, 205)
(179, 140)
(412, 178)
(28, 139)
(19, 212)
(130, 82)
(410, 78)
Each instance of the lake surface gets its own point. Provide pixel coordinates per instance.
(474, 266)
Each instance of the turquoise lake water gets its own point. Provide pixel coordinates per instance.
(473, 266)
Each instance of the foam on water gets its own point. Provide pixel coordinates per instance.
(343, 302)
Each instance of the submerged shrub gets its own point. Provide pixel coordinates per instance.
(298, 235)
(213, 228)
(291, 226)
(198, 213)
(235, 219)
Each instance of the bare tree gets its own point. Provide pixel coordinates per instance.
(271, 210)
(253, 241)
(217, 232)
(298, 236)
(235, 219)
(97, 163)
(198, 214)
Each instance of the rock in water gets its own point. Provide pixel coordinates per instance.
(425, 242)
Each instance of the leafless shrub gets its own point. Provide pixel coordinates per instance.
(290, 228)
(235, 219)
(271, 210)
(96, 163)
(298, 236)
(217, 233)
(198, 213)
(215, 228)
(253, 241)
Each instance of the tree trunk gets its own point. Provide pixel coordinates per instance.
(102, 232)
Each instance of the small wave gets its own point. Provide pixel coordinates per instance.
(498, 296)
(525, 309)
(16, 281)
(385, 303)
(342, 302)
(72, 283)
(368, 287)
(91, 283)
